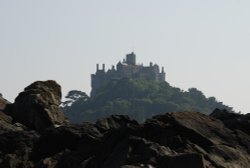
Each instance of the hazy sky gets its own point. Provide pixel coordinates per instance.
(201, 43)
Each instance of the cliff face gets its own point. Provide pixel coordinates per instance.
(172, 140)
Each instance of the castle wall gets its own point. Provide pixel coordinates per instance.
(126, 70)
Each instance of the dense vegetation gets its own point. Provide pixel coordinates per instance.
(137, 98)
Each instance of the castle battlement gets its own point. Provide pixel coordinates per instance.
(126, 69)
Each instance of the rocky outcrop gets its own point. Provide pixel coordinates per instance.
(35, 134)
(16, 148)
(3, 103)
(6, 121)
(234, 121)
(37, 107)
(173, 140)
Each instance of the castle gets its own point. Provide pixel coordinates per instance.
(126, 69)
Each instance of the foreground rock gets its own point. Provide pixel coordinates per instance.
(173, 140)
(233, 121)
(3, 103)
(37, 107)
(35, 134)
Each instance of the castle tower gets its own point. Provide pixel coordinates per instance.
(125, 69)
(131, 59)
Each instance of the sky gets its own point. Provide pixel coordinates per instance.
(201, 43)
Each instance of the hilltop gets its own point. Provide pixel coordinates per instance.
(139, 99)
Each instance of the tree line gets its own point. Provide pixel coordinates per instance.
(139, 99)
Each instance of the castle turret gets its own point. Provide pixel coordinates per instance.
(103, 67)
(97, 67)
(131, 59)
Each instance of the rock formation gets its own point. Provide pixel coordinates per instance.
(234, 121)
(173, 140)
(3, 103)
(37, 107)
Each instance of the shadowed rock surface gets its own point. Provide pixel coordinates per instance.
(233, 120)
(3, 103)
(172, 140)
(37, 107)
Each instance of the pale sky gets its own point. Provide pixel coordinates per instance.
(201, 43)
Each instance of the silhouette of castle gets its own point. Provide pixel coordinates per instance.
(126, 69)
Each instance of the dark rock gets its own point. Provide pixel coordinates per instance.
(3, 103)
(5, 118)
(6, 124)
(182, 161)
(37, 107)
(115, 122)
(74, 137)
(173, 140)
(16, 148)
(233, 120)
(188, 126)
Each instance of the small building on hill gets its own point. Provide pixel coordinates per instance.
(126, 69)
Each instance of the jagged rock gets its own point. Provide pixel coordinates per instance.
(115, 122)
(6, 121)
(134, 150)
(3, 103)
(198, 133)
(198, 128)
(74, 137)
(5, 118)
(16, 148)
(37, 107)
(233, 120)
(173, 140)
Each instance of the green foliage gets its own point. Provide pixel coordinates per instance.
(138, 99)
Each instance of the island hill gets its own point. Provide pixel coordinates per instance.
(126, 69)
(134, 90)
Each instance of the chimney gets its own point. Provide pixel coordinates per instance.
(97, 67)
(103, 67)
(162, 70)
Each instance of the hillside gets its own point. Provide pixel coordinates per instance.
(139, 99)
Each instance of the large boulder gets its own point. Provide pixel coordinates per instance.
(37, 107)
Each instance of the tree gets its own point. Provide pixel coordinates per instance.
(74, 96)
